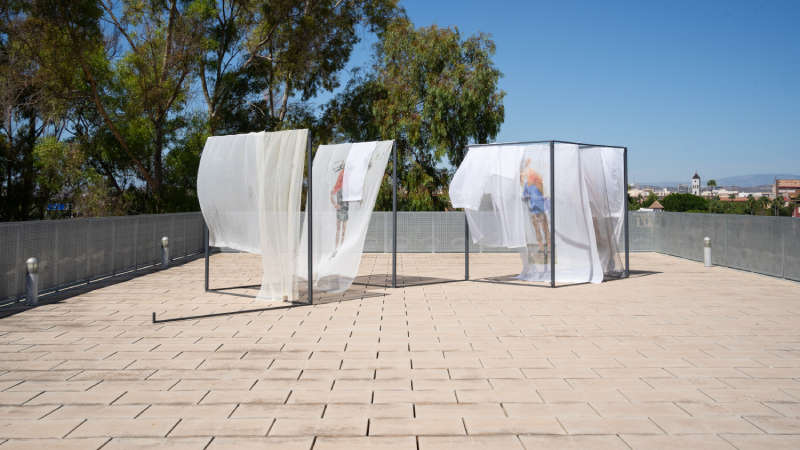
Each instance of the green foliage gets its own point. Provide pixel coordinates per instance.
(651, 198)
(712, 183)
(431, 91)
(683, 203)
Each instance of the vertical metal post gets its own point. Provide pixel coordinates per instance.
(205, 245)
(114, 247)
(552, 214)
(88, 251)
(136, 245)
(625, 193)
(309, 209)
(466, 246)
(56, 254)
(394, 214)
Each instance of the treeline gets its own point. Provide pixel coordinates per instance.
(759, 206)
(106, 105)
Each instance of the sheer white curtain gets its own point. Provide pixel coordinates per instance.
(505, 190)
(340, 226)
(603, 170)
(249, 190)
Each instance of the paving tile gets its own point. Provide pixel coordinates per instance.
(417, 397)
(260, 443)
(549, 409)
(469, 442)
(776, 425)
(97, 412)
(512, 425)
(695, 442)
(760, 442)
(266, 410)
(581, 396)
(705, 425)
(393, 410)
(728, 409)
(481, 410)
(222, 427)
(124, 428)
(609, 425)
(416, 427)
(573, 442)
(319, 427)
(366, 443)
(161, 397)
(37, 429)
(188, 412)
(55, 444)
(76, 398)
(25, 412)
(159, 443)
(498, 396)
(330, 397)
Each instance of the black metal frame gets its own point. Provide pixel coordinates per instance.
(309, 209)
(626, 273)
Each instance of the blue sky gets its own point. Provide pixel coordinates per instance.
(711, 86)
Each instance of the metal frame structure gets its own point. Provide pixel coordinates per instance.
(309, 211)
(626, 273)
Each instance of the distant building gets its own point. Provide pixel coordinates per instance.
(787, 188)
(656, 206)
(696, 184)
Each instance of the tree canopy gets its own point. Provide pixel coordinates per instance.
(683, 203)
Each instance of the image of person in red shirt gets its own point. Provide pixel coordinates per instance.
(342, 208)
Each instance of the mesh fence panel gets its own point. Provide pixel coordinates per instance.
(755, 244)
(101, 248)
(9, 262)
(791, 248)
(80, 250)
(125, 244)
(73, 251)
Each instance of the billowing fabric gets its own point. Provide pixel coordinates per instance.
(603, 170)
(505, 190)
(340, 226)
(356, 170)
(249, 189)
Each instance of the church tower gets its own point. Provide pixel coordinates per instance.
(696, 184)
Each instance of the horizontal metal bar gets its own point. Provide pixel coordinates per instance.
(528, 285)
(205, 316)
(541, 142)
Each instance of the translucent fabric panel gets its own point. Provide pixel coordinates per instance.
(576, 256)
(339, 227)
(505, 190)
(603, 172)
(249, 189)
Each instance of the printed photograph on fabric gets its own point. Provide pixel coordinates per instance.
(342, 207)
(535, 196)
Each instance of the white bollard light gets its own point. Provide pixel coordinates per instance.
(164, 252)
(32, 282)
(707, 251)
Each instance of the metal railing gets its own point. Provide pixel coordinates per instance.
(765, 245)
(79, 251)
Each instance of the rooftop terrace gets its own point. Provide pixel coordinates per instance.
(677, 356)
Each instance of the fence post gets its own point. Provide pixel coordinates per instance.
(784, 232)
(113, 247)
(88, 251)
(17, 260)
(55, 257)
(136, 245)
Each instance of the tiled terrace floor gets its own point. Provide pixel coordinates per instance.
(678, 356)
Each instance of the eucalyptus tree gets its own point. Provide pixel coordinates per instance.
(128, 64)
(434, 92)
(258, 54)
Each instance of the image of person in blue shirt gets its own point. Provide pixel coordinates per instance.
(533, 195)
